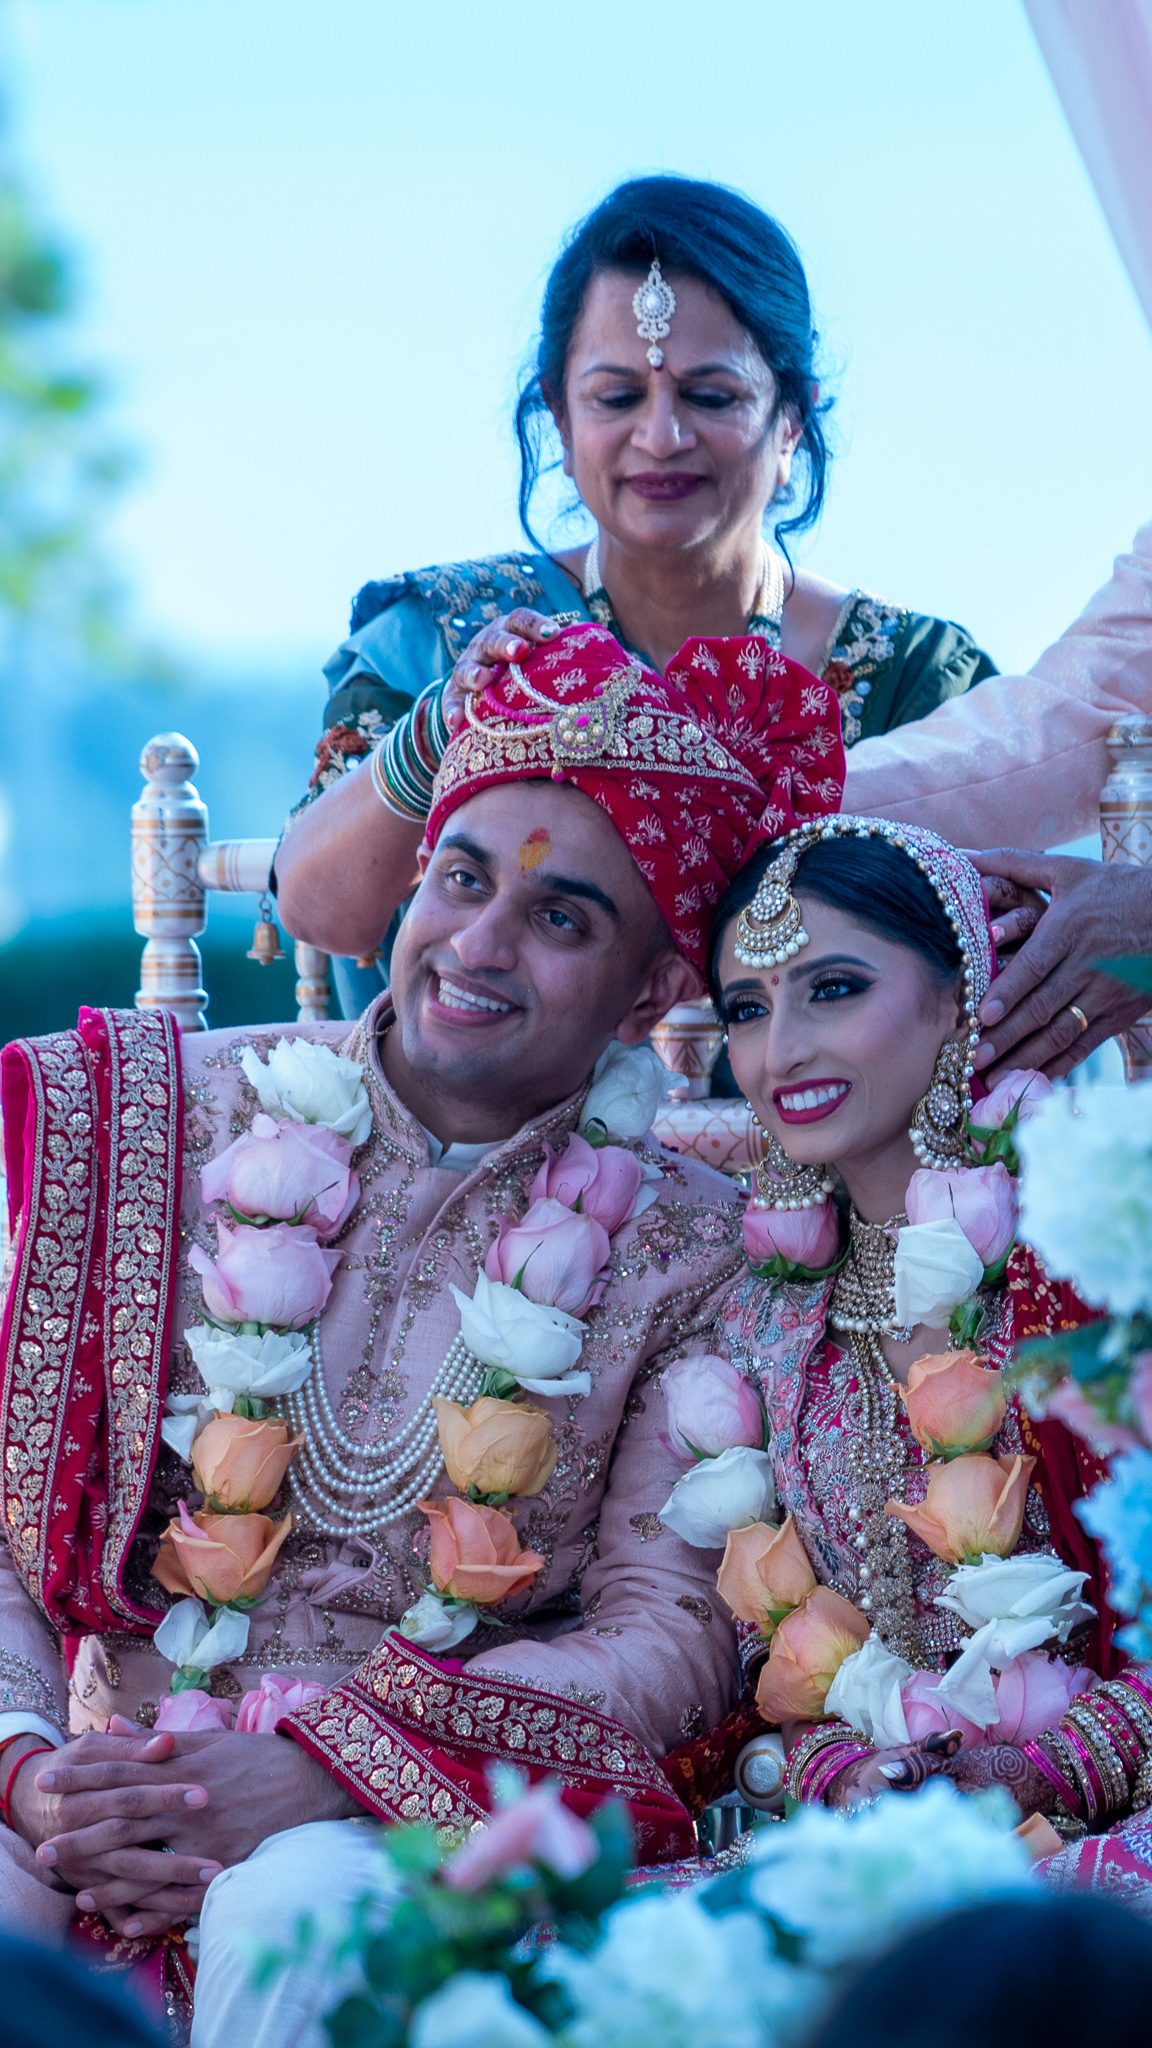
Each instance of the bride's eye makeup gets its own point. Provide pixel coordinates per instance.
(836, 987)
(745, 1008)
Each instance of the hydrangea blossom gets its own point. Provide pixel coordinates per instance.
(1086, 1194)
(1119, 1513)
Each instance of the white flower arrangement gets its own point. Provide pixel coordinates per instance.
(537, 1344)
(1086, 1195)
(719, 1494)
(628, 1086)
(310, 1084)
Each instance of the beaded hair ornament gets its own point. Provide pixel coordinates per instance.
(771, 930)
(654, 305)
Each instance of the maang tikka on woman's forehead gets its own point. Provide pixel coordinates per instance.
(770, 929)
(654, 305)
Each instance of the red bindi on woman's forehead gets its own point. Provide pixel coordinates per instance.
(775, 980)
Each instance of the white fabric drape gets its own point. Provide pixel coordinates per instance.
(1099, 53)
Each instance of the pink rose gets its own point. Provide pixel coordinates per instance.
(982, 1199)
(536, 1828)
(261, 1712)
(927, 1714)
(286, 1172)
(1024, 1086)
(711, 1408)
(279, 1276)
(606, 1182)
(557, 1253)
(805, 1237)
(1070, 1405)
(1032, 1695)
(192, 1709)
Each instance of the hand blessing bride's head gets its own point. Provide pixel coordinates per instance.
(835, 1045)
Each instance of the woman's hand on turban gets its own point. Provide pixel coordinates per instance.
(506, 639)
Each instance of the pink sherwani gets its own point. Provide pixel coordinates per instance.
(1021, 760)
(624, 1618)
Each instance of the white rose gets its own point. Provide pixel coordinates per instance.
(311, 1084)
(230, 1364)
(538, 1345)
(475, 2009)
(866, 1693)
(435, 1624)
(720, 1494)
(1086, 1192)
(628, 1085)
(186, 1637)
(936, 1269)
(1014, 1604)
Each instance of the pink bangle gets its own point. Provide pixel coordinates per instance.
(829, 1768)
(1098, 1797)
(1052, 1775)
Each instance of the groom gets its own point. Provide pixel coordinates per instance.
(566, 887)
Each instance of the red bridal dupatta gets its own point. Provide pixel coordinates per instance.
(93, 1126)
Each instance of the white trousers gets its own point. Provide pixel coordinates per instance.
(319, 1870)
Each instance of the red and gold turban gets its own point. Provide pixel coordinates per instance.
(733, 746)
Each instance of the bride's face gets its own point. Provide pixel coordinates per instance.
(835, 1048)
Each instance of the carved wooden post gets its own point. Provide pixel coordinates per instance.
(312, 991)
(169, 829)
(1126, 834)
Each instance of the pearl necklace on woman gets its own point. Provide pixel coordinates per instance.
(332, 1470)
(767, 607)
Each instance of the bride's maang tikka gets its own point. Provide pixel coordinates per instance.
(770, 929)
(654, 305)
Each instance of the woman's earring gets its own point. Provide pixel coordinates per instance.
(938, 1123)
(781, 1183)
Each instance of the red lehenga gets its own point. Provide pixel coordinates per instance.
(777, 1334)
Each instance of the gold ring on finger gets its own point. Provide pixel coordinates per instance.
(1078, 1013)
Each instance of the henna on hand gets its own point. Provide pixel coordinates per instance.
(1002, 1763)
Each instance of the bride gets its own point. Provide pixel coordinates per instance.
(931, 1603)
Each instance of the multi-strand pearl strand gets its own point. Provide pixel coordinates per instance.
(332, 1469)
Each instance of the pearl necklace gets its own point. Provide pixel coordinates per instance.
(331, 1469)
(767, 606)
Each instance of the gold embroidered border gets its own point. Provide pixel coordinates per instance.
(47, 1296)
(143, 1200)
(375, 1762)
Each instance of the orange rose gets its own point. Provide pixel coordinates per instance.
(807, 1651)
(476, 1552)
(219, 1557)
(240, 1465)
(954, 1403)
(496, 1446)
(765, 1574)
(974, 1504)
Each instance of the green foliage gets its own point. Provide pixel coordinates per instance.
(1099, 1356)
(409, 1946)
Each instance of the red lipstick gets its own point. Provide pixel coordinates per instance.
(814, 1112)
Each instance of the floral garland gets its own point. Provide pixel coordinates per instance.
(824, 1660)
(287, 1187)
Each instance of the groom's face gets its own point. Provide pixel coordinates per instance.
(532, 941)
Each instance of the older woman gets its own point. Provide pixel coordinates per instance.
(677, 365)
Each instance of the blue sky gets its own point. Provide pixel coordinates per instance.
(313, 239)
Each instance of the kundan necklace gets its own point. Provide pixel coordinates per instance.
(767, 606)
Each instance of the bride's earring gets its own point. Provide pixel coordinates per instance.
(938, 1123)
(781, 1183)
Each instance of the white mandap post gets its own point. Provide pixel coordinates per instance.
(1126, 834)
(174, 867)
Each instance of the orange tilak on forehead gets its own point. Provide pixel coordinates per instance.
(535, 848)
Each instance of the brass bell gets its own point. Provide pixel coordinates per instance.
(266, 946)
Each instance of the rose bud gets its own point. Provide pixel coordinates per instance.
(279, 1277)
(607, 1183)
(556, 1254)
(476, 1552)
(261, 1712)
(286, 1172)
(808, 1648)
(1032, 1694)
(219, 1557)
(982, 1199)
(311, 1084)
(192, 1710)
(711, 1408)
(954, 1403)
(536, 1828)
(974, 1507)
(801, 1237)
(927, 1714)
(1023, 1089)
(240, 1465)
(765, 1574)
(496, 1446)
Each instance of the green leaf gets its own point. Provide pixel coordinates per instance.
(359, 2022)
(187, 1678)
